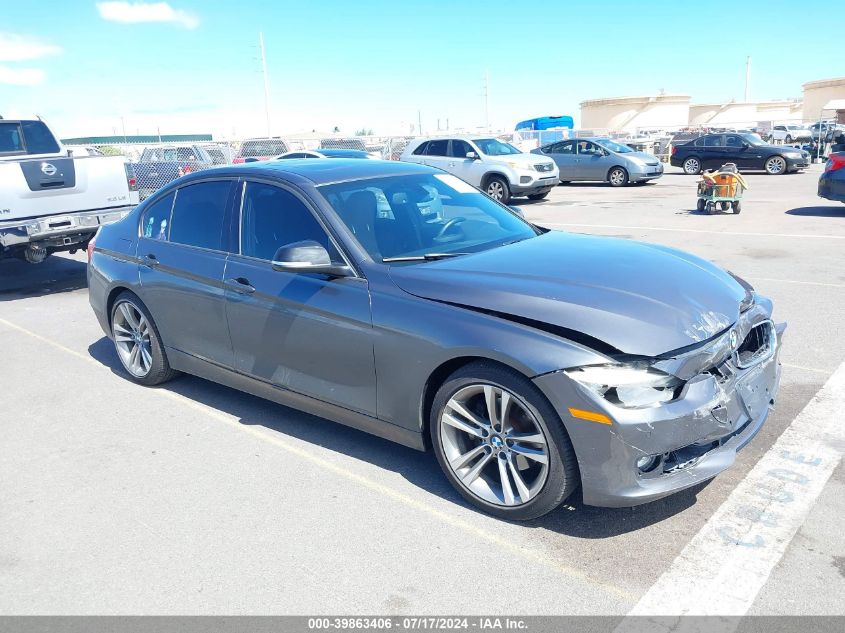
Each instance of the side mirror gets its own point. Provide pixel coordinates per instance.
(473, 156)
(518, 211)
(307, 257)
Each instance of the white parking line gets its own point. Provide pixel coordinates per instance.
(682, 230)
(797, 281)
(724, 566)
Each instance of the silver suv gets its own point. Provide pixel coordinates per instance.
(497, 168)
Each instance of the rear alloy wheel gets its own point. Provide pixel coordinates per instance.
(775, 165)
(497, 189)
(501, 444)
(137, 342)
(692, 166)
(617, 177)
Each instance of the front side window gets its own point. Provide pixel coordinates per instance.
(419, 215)
(733, 141)
(586, 148)
(156, 219)
(460, 148)
(197, 218)
(273, 217)
(713, 141)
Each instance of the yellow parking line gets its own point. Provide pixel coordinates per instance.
(496, 540)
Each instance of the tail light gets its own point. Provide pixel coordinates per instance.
(131, 178)
(835, 161)
(90, 248)
(238, 160)
(674, 150)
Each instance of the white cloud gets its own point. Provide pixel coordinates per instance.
(15, 47)
(21, 76)
(137, 12)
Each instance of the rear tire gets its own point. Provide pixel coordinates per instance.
(617, 177)
(138, 343)
(497, 188)
(544, 486)
(699, 206)
(692, 166)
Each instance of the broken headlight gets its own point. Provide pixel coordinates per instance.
(630, 386)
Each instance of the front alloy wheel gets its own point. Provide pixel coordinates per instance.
(776, 165)
(501, 443)
(497, 189)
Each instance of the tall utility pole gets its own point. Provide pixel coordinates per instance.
(747, 79)
(419, 122)
(487, 100)
(266, 84)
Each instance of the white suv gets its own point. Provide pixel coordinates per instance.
(498, 169)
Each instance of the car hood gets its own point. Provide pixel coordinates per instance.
(529, 160)
(638, 298)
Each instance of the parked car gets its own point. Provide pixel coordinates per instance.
(326, 153)
(601, 159)
(52, 200)
(497, 168)
(161, 165)
(829, 130)
(747, 151)
(790, 133)
(528, 360)
(832, 180)
(256, 149)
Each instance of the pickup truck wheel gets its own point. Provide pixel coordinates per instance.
(137, 342)
(498, 189)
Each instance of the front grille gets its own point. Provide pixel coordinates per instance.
(757, 345)
(544, 167)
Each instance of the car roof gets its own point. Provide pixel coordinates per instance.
(317, 172)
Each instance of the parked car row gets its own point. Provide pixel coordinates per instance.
(747, 151)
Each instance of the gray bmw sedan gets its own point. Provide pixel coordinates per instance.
(529, 361)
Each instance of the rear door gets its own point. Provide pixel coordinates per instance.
(565, 156)
(308, 333)
(713, 153)
(182, 251)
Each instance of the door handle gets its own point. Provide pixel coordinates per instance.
(150, 261)
(240, 285)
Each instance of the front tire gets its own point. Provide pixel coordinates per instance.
(138, 343)
(497, 188)
(775, 165)
(692, 166)
(617, 177)
(501, 444)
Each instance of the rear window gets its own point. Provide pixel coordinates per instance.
(154, 223)
(26, 137)
(197, 218)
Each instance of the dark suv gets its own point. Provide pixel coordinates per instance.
(747, 151)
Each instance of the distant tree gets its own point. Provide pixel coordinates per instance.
(335, 130)
(110, 150)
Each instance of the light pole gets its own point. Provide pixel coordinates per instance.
(266, 84)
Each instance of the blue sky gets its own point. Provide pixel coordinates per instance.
(192, 65)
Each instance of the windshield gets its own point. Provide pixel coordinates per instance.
(495, 147)
(614, 147)
(753, 139)
(423, 214)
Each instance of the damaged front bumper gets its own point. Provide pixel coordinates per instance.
(642, 454)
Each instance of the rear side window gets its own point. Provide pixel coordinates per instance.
(197, 218)
(156, 219)
(421, 149)
(699, 142)
(438, 148)
(274, 217)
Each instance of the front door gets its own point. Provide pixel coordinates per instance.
(593, 164)
(182, 253)
(469, 170)
(308, 333)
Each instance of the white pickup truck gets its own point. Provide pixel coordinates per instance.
(51, 200)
